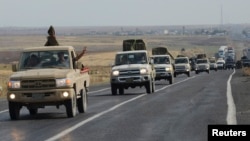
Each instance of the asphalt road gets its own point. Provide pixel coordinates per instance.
(176, 112)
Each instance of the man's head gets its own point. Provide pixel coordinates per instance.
(60, 55)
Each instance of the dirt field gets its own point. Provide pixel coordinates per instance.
(101, 50)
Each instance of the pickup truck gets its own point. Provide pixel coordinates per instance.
(182, 66)
(132, 68)
(48, 76)
(163, 64)
(202, 65)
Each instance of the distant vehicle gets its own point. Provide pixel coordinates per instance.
(220, 64)
(222, 52)
(230, 65)
(163, 64)
(182, 66)
(245, 61)
(213, 64)
(202, 65)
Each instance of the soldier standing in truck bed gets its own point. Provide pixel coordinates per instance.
(51, 39)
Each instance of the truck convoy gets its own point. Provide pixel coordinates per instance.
(163, 64)
(48, 76)
(132, 68)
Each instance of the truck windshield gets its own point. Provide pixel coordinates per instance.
(45, 59)
(161, 60)
(181, 61)
(201, 61)
(131, 58)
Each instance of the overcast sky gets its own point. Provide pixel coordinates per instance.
(38, 13)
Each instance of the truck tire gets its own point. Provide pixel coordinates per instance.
(82, 102)
(188, 74)
(175, 75)
(148, 87)
(121, 90)
(14, 110)
(33, 111)
(171, 80)
(113, 89)
(153, 86)
(71, 107)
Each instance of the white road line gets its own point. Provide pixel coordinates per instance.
(98, 90)
(4, 111)
(231, 109)
(74, 127)
(63, 133)
(175, 83)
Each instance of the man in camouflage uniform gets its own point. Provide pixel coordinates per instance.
(51, 39)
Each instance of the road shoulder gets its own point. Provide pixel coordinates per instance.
(241, 93)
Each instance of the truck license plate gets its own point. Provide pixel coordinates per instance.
(37, 95)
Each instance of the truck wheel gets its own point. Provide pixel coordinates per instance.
(208, 71)
(14, 110)
(188, 74)
(113, 89)
(196, 72)
(71, 107)
(148, 87)
(171, 80)
(82, 102)
(174, 74)
(153, 86)
(121, 91)
(33, 111)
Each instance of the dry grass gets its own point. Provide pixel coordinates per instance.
(246, 71)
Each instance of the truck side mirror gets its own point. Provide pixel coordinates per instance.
(15, 67)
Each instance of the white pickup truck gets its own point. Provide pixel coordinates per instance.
(132, 68)
(163, 64)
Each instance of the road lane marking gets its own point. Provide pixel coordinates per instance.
(231, 109)
(4, 111)
(74, 127)
(63, 133)
(98, 90)
(175, 84)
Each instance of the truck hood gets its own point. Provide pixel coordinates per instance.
(202, 64)
(162, 65)
(130, 66)
(41, 73)
(182, 64)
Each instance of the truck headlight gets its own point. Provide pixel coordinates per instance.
(62, 82)
(167, 69)
(143, 71)
(115, 73)
(14, 84)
